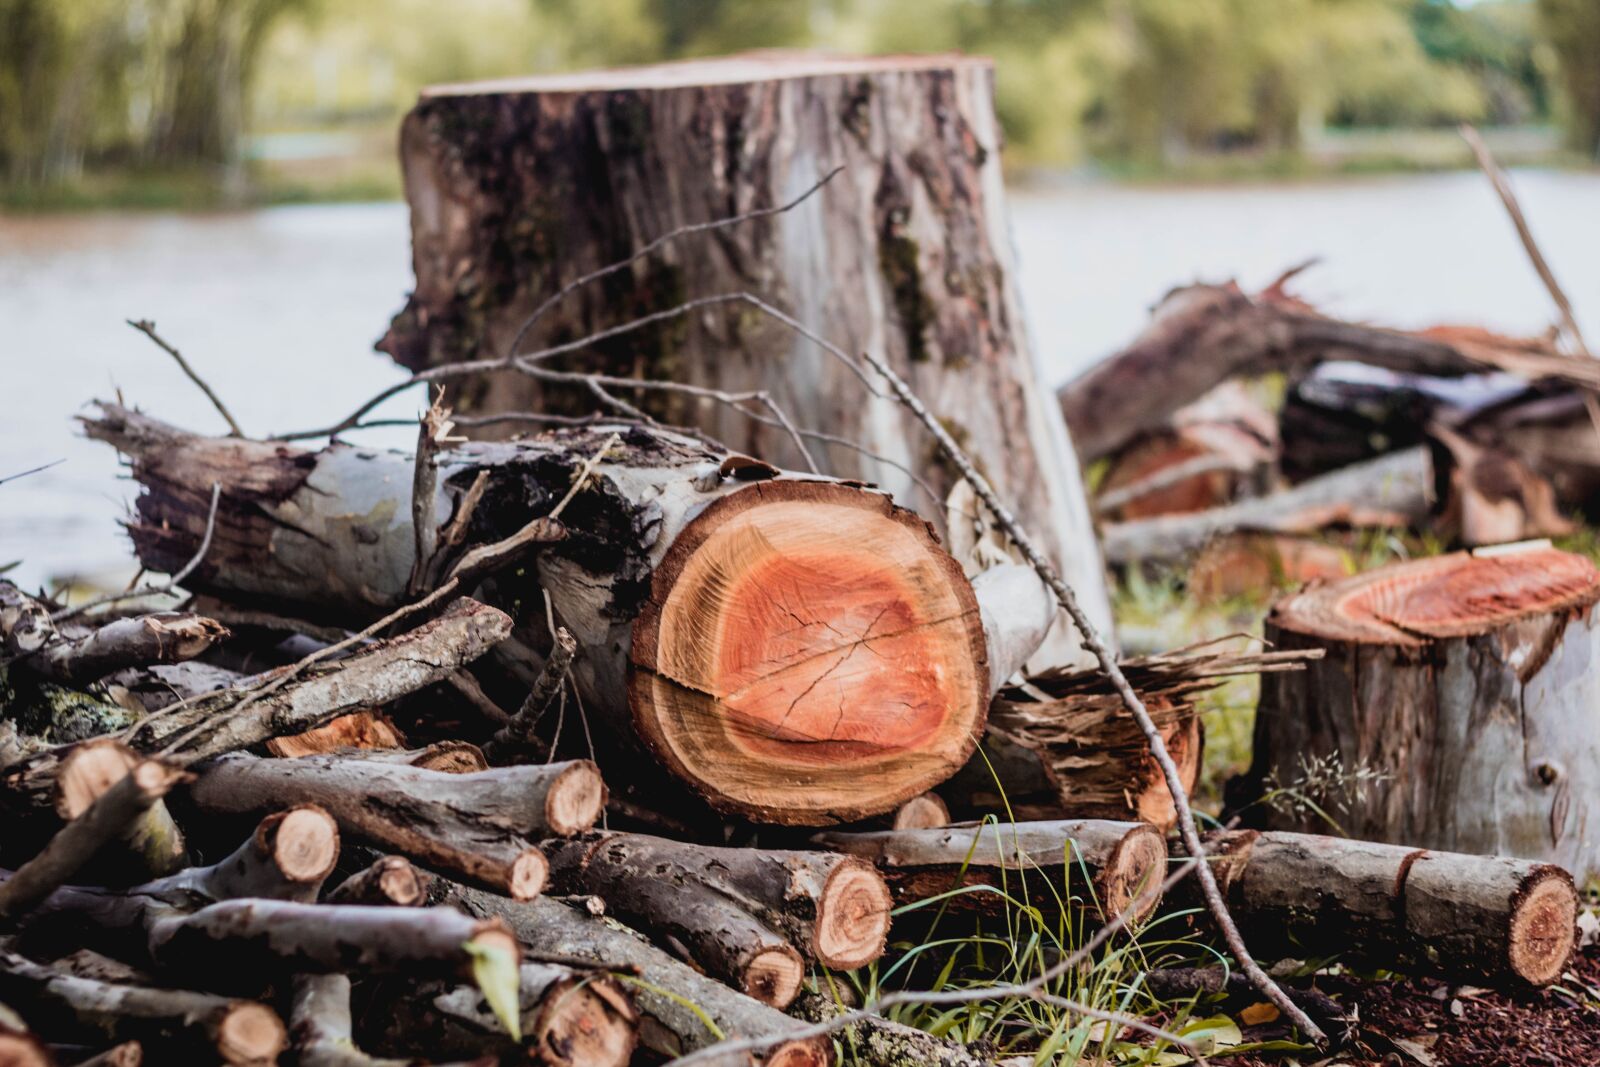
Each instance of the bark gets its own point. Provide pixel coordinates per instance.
(904, 252)
(742, 913)
(1079, 755)
(1045, 864)
(665, 988)
(77, 842)
(321, 1027)
(782, 714)
(373, 675)
(475, 826)
(1449, 712)
(153, 845)
(1480, 919)
(194, 1027)
(389, 880)
(570, 1018)
(450, 757)
(1202, 335)
(1393, 490)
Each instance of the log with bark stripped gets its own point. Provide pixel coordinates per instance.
(1103, 867)
(793, 649)
(477, 826)
(747, 915)
(1454, 708)
(1481, 919)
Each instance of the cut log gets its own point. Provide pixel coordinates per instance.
(358, 730)
(904, 252)
(1453, 709)
(195, 1027)
(476, 826)
(1041, 863)
(794, 650)
(127, 1054)
(215, 724)
(921, 813)
(741, 912)
(389, 880)
(1482, 919)
(570, 1018)
(288, 857)
(1202, 335)
(18, 1048)
(152, 841)
(1393, 490)
(676, 1000)
(76, 658)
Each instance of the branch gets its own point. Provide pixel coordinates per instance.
(148, 328)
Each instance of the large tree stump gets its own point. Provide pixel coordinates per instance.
(791, 648)
(1469, 682)
(517, 187)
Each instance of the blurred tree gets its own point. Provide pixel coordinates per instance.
(1573, 29)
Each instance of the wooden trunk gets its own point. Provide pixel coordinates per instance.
(792, 648)
(1467, 683)
(518, 187)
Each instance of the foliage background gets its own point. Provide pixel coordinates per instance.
(207, 91)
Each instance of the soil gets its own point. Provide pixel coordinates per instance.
(1422, 1023)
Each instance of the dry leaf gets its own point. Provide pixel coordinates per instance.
(1256, 1014)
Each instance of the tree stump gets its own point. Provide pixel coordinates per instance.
(1469, 682)
(518, 186)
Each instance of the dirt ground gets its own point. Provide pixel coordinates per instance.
(1421, 1023)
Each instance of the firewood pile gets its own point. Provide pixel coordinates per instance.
(555, 792)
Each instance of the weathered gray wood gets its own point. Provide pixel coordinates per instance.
(1465, 685)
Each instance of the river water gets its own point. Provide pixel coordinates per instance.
(279, 307)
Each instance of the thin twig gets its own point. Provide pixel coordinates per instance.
(666, 238)
(148, 328)
(165, 587)
(32, 470)
(1108, 664)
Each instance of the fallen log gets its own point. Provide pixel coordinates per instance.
(476, 826)
(569, 1018)
(1393, 490)
(1045, 864)
(746, 915)
(913, 219)
(1450, 712)
(195, 1027)
(1479, 919)
(792, 649)
(288, 857)
(231, 720)
(153, 845)
(676, 1000)
(1201, 335)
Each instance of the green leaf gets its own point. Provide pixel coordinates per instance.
(495, 972)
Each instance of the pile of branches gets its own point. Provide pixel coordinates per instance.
(1458, 431)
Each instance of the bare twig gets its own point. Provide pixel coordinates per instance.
(32, 470)
(164, 588)
(148, 328)
(519, 731)
(1108, 664)
(433, 431)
